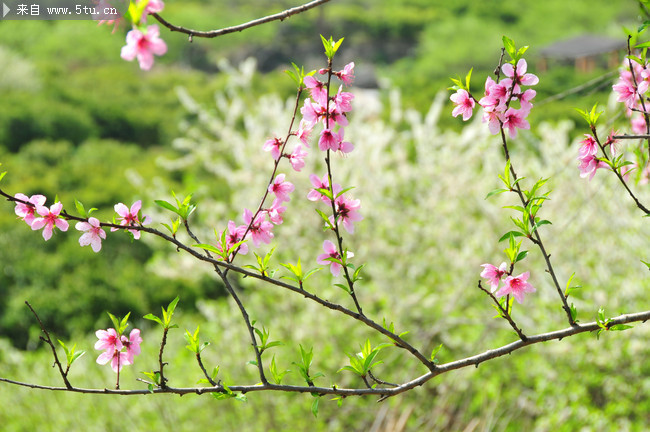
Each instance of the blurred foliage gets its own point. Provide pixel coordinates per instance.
(77, 121)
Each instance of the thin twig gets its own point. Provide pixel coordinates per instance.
(443, 368)
(618, 174)
(335, 213)
(220, 32)
(379, 381)
(161, 363)
(536, 236)
(198, 359)
(274, 171)
(240, 305)
(646, 117)
(505, 314)
(48, 340)
(226, 265)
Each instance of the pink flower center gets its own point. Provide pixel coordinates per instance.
(516, 284)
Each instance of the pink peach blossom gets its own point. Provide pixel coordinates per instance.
(304, 132)
(494, 274)
(273, 145)
(328, 140)
(93, 234)
(514, 119)
(347, 74)
(143, 46)
(317, 89)
(260, 228)
(25, 211)
(129, 217)
(517, 286)
(347, 212)
(518, 75)
(275, 211)
(281, 188)
(49, 219)
(117, 358)
(589, 165)
(132, 344)
(589, 146)
(323, 183)
(297, 157)
(343, 101)
(331, 252)
(109, 340)
(464, 104)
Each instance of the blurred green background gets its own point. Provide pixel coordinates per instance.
(78, 122)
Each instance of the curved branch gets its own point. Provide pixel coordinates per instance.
(220, 32)
(384, 392)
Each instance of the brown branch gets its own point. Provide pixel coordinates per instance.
(220, 32)
(205, 372)
(618, 174)
(161, 363)
(379, 381)
(475, 360)
(617, 137)
(646, 117)
(505, 314)
(224, 277)
(335, 214)
(536, 237)
(226, 265)
(48, 340)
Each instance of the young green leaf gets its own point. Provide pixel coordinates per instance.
(434, 353)
(314, 406)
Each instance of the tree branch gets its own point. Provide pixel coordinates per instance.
(386, 392)
(220, 32)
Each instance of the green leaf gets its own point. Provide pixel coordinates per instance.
(510, 233)
(458, 84)
(343, 287)
(80, 208)
(467, 78)
(208, 248)
(569, 289)
(515, 207)
(574, 312)
(434, 352)
(153, 317)
(119, 325)
(620, 327)
(314, 406)
(505, 178)
(169, 312)
(277, 375)
(522, 51)
(153, 376)
(325, 192)
(297, 74)
(539, 224)
(521, 255)
(509, 45)
(134, 13)
(496, 192)
(326, 218)
(344, 191)
(166, 205)
(592, 116)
